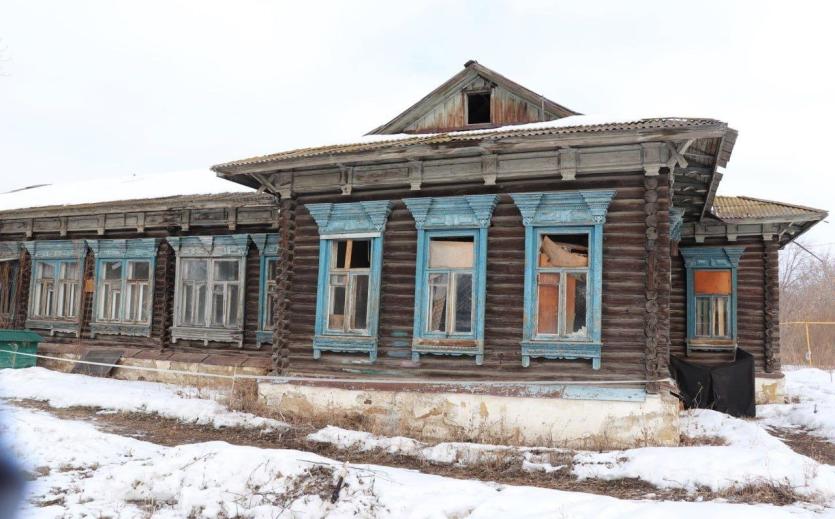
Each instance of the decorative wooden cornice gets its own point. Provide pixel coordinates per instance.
(350, 218)
(116, 249)
(9, 250)
(56, 249)
(450, 212)
(563, 207)
(210, 246)
(267, 244)
(712, 257)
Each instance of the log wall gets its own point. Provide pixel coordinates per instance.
(624, 295)
(752, 299)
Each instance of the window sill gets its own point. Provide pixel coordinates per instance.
(711, 345)
(207, 334)
(569, 350)
(134, 330)
(263, 337)
(54, 326)
(345, 344)
(448, 346)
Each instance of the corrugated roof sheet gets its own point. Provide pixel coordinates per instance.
(565, 125)
(730, 208)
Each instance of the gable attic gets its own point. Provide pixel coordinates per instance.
(451, 106)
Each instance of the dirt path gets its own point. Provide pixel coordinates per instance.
(505, 469)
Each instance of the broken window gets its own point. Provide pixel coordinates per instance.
(124, 291)
(478, 108)
(57, 288)
(450, 285)
(8, 286)
(561, 285)
(713, 300)
(348, 283)
(110, 291)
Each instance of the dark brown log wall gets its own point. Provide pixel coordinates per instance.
(624, 297)
(751, 298)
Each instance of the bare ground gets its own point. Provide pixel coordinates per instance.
(505, 469)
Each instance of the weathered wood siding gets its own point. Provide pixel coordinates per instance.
(624, 298)
(751, 298)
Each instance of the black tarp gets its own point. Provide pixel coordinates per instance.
(728, 388)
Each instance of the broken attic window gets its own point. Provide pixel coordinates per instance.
(478, 108)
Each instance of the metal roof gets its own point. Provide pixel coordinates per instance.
(745, 208)
(564, 126)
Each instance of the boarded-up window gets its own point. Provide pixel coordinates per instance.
(8, 282)
(562, 277)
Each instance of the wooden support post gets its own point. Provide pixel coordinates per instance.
(808, 345)
(284, 284)
(771, 306)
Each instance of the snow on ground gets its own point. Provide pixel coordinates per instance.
(87, 473)
(751, 456)
(815, 410)
(171, 401)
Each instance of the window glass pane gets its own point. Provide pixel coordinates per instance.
(712, 281)
(703, 316)
(360, 302)
(194, 270)
(217, 305)
(200, 305)
(436, 320)
(112, 270)
(339, 253)
(720, 317)
(69, 271)
(564, 250)
(336, 319)
(271, 269)
(47, 270)
(226, 270)
(268, 312)
(232, 304)
(454, 252)
(575, 305)
(139, 270)
(463, 303)
(188, 304)
(360, 254)
(548, 301)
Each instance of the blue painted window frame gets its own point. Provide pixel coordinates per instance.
(123, 251)
(711, 259)
(57, 253)
(468, 215)
(267, 245)
(564, 212)
(349, 221)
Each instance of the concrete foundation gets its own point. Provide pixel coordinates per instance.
(543, 421)
(770, 390)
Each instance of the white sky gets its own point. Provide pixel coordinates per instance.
(97, 89)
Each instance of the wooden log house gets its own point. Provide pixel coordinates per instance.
(489, 262)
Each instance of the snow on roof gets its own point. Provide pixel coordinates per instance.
(114, 189)
(570, 124)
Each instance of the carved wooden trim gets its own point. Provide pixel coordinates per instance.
(651, 304)
(772, 307)
(284, 280)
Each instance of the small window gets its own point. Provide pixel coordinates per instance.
(269, 285)
(478, 108)
(348, 286)
(713, 290)
(56, 298)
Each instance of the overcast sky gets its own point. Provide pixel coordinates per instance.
(96, 89)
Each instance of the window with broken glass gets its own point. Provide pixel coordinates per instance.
(562, 272)
(348, 284)
(449, 286)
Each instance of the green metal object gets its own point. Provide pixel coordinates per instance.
(13, 342)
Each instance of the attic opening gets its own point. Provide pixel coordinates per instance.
(478, 108)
